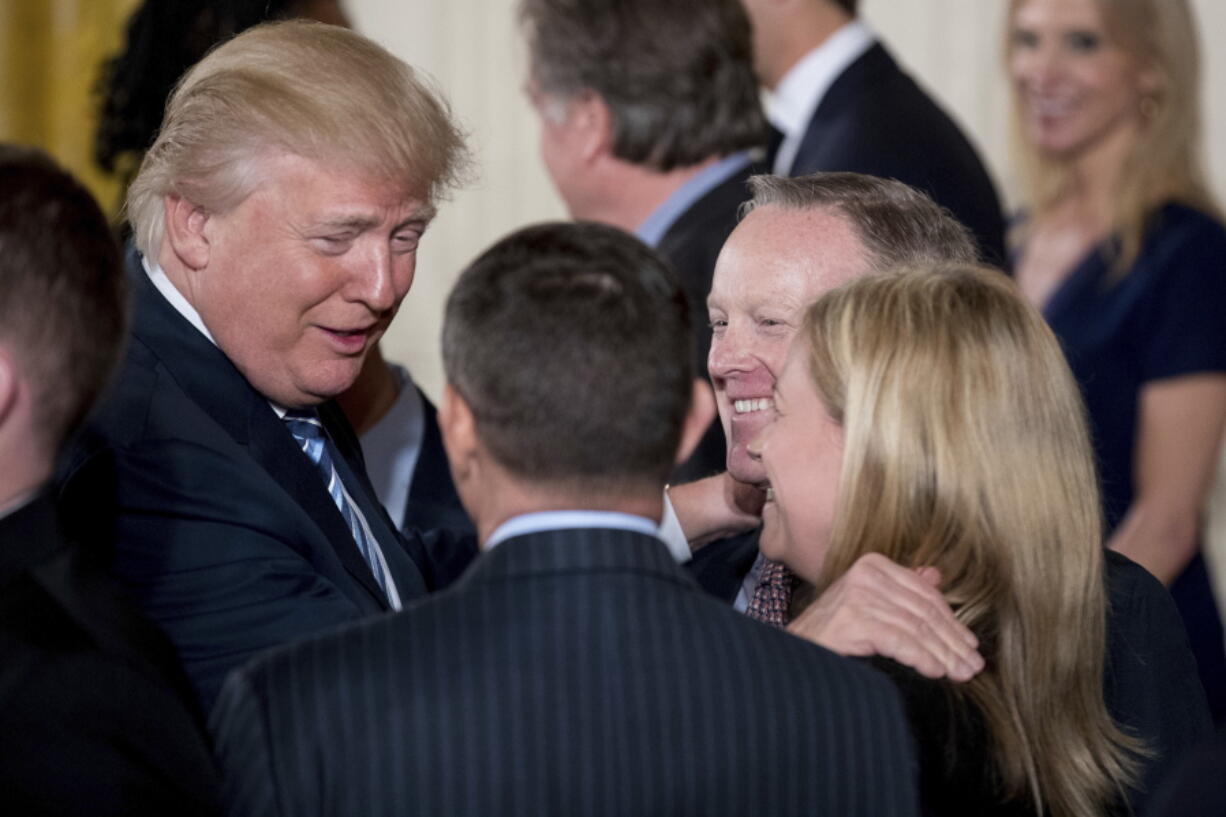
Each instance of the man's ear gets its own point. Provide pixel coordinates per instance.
(593, 123)
(697, 420)
(185, 231)
(458, 428)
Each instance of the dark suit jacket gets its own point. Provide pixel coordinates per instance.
(433, 512)
(1195, 787)
(691, 245)
(220, 528)
(1151, 685)
(874, 119)
(574, 672)
(432, 501)
(96, 717)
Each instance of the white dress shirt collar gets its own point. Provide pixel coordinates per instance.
(566, 520)
(794, 100)
(172, 294)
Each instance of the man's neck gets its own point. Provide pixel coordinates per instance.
(800, 33)
(18, 484)
(633, 193)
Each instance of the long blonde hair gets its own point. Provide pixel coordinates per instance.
(1166, 163)
(966, 448)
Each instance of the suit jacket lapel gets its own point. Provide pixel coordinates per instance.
(208, 377)
(405, 558)
(432, 477)
(721, 566)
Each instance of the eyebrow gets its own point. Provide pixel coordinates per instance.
(424, 215)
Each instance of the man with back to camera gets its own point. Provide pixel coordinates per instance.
(649, 110)
(277, 219)
(96, 717)
(839, 102)
(575, 669)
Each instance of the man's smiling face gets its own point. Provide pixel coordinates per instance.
(777, 262)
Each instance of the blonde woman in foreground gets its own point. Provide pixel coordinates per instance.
(929, 416)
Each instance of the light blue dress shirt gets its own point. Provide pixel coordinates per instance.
(653, 228)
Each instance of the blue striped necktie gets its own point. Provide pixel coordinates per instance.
(309, 432)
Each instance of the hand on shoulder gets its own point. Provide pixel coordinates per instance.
(881, 608)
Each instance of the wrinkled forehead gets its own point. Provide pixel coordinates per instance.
(792, 254)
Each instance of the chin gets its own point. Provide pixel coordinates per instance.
(744, 469)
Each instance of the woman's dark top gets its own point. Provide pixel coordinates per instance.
(957, 773)
(1165, 317)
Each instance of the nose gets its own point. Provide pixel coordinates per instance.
(384, 277)
(728, 354)
(1039, 65)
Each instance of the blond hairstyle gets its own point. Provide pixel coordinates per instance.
(1165, 165)
(966, 448)
(313, 90)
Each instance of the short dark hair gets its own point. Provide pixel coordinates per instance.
(677, 75)
(570, 342)
(63, 307)
(897, 224)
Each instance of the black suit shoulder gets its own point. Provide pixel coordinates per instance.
(1152, 688)
(875, 119)
(957, 774)
(95, 715)
(607, 688)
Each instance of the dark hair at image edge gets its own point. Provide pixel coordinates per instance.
(64, 303)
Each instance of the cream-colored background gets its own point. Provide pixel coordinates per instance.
(473, 50)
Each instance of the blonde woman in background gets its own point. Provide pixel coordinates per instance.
(1123, 249)
(929, 417)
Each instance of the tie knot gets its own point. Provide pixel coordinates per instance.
(304, 424)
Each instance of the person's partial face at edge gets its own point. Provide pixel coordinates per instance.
(776, 263)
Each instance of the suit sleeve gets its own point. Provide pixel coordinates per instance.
(208, 552)
(243, 752)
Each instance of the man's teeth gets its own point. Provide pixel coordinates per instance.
(770, 494)
(746, 406)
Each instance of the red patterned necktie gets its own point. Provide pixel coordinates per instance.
(773, 595)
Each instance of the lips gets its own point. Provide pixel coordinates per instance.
(348, 341)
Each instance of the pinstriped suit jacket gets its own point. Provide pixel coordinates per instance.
(568, 673)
